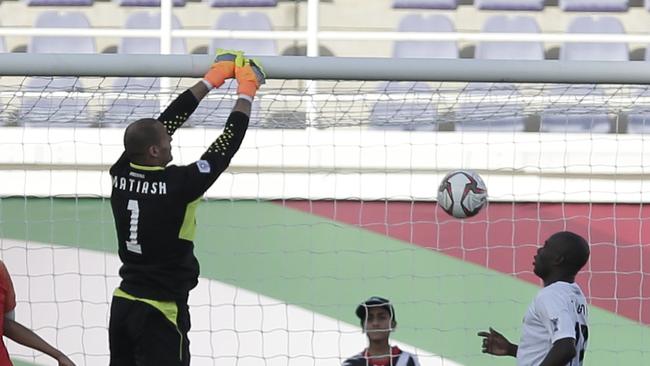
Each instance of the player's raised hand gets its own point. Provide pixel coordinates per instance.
(223, 67)
(250, 76)
(496, 344)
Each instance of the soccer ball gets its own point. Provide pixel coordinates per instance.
(462, 193)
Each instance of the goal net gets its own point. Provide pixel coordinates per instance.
(331, 200)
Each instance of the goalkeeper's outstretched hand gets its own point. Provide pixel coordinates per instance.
(223, 67)
(250, 76)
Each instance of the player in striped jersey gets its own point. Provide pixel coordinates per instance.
(555, 329)
(377, 317)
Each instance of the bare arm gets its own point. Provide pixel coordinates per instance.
(497, 344)
(20, 334)
(563, 351)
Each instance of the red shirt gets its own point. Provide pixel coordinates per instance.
(7, 304)
(384, 361)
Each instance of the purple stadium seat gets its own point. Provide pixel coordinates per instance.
(595, 51)
(213, 111)
(50, 108)
(56, 44)
(399, 113)
(155, 3)
(571, 114)
(510, 50)
(59, 2)
(131, 107)
(594, 5)
(145, 20)
(242, 3)
(254, 21)
(509, 4)
(638, 118)
(425, 49)
(425, 4)
(491, 107)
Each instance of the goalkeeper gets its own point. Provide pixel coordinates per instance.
(153, 207)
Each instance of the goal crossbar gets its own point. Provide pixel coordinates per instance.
(337, 68)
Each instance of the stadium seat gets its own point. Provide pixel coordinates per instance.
(57, 44)
(153, 3)
(594, 5)
(638, 117)
(425, 49)
(214, 110)
(509, 4)
(491, 107)
(145, 20)
(59, 2)
(53, 107)
(568, 115)
(253, 21)
(400, 113)
(425, 4)
(577, 108)
(510, 50)
(242, 3)
(595, 51)
(134, 105)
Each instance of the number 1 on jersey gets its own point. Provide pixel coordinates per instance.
(132, 244)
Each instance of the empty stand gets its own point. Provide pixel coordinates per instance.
(254, 20)
(509, 4)
(491, 107)
(242, 3)
(133, 104)
(595, 51)
(425, 49)
(594, 5)
(145, 20)
(59, 2)
(152, 3)
(510, 50)
(57, 44)
(403, 110)
(425, 4)
(579, 109)
(54, 105)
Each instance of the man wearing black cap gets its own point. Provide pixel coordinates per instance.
(377, 317)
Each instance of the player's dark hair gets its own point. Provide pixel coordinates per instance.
(574, 248)
(140, 135)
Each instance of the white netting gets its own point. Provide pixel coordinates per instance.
(320, 161)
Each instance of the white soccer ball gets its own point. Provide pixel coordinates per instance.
(462, 193)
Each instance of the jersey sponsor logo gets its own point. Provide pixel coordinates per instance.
(204, 166)
(139, 186)
(137, 175)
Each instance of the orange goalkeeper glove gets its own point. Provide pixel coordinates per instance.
(223, 67)
(250, 76)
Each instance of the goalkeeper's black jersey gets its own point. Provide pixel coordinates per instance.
(154, 210)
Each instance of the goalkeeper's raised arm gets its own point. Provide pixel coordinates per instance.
(154, 206)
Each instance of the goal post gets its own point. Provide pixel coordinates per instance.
(331, 200)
